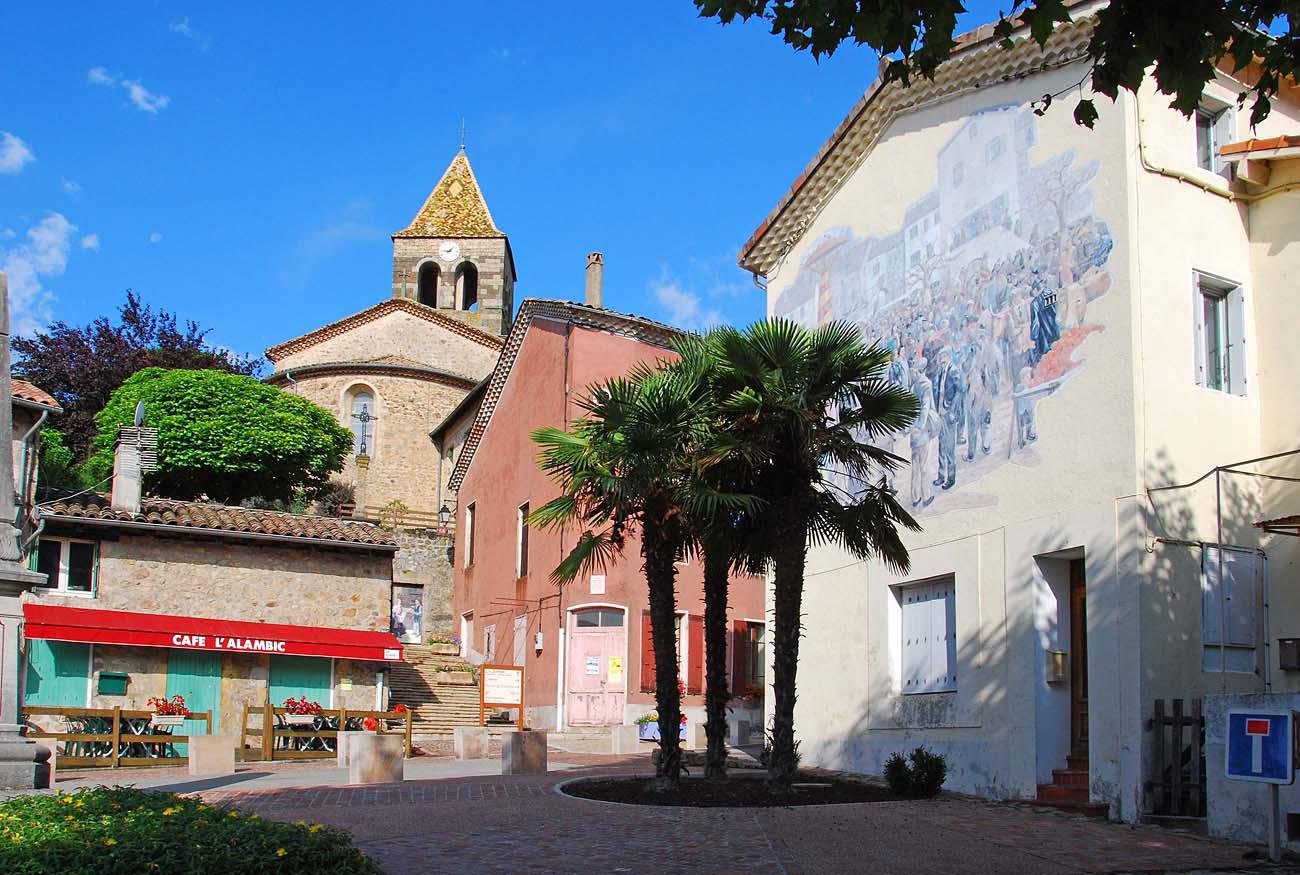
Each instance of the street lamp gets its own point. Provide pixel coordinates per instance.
(444, 515)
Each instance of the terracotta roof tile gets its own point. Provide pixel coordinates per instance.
(455, 207)
(218, 518)
(1283, 141)
(27, 392)
(378, 311)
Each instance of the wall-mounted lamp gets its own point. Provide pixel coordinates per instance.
(537, 641)
(444, 514)
(1058, 666)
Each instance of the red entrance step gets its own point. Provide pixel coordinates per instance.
(1069, 789)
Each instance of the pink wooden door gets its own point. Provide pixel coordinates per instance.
(597, 674)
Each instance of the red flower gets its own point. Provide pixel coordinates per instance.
(400, 709)
(164, 708)
(371, 724)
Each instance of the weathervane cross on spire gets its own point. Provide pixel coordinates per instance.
(463, 132)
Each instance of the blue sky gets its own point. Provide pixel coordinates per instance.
(244, 164)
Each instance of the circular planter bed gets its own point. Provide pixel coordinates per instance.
(736, 791)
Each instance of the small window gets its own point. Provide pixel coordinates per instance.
(1229, 594)
(993, 151)
(489, 642)
(467, 286)
(362, 420)
(1220, 337)
(929, 639)
(756, 654)
(469, 535)
(1214, 129)
(521, 541)
(604, 618)
(69, 566)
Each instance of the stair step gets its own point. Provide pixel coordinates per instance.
(1055, 793)
(1070, 777)
(1076, 763)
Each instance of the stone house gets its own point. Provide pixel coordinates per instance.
(585, 647)
(1099, 327)
(226, 606)
(395, 370)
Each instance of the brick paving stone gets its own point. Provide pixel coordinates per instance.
(521, 824)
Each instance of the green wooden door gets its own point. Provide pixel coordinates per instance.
(58, 673)
(294, 676)
(196, 675)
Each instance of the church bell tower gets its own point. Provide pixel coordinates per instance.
(453, 257)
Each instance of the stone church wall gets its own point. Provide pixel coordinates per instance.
(495, 283)
(425, 559)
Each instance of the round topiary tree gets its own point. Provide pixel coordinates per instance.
(225, 436)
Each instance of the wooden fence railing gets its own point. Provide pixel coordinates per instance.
(1177, 786)
(111, 737)
(316, 740)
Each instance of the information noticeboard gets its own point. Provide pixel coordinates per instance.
(500, 686)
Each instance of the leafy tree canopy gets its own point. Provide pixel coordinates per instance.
(225, 436)
(1181, 41)
(55, 464)
(81, 367)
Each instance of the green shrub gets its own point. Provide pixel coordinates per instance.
(920, 778)
(97, 831)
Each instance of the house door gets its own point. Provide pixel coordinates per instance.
(597, 676)
(196, 675)
(1078, 661)
(295, 676)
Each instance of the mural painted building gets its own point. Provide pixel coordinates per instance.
(585, 647)
(1091, 321)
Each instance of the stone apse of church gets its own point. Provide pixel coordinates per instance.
(982, 295)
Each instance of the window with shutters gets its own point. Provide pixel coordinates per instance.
(469, 534)
(749, 658)
(521, 541)
(1220, 336)
(1215, 127)
(1229, 608)
(929, 636)
(490, 642)
(69, 566)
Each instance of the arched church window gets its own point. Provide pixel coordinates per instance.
(467, 286)
(427, 293)
(362, 422)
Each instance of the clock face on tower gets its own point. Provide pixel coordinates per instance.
(449, 251)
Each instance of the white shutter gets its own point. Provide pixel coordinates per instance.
(943, 638)
(1234, 311)
(1211, 597)
(1225, 132)
(1198, 327)
(916, 653)
(1239, 598)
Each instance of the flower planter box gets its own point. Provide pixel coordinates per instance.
(445, 649)
(455, 678)
(650, 732)
(167, 720)
(300, 719)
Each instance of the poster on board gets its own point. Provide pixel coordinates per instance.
(501, 686)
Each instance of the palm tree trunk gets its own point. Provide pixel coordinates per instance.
(790, 553)
(658, 551)
(715, 660)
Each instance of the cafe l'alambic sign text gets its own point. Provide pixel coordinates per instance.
(253, 645)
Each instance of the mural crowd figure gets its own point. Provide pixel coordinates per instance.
(983, 317)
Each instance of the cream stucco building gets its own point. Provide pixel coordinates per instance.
(1100, 328)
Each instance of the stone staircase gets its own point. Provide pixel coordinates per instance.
(438, 707)
(1069, 788)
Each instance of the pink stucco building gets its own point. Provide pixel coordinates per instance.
(584, 647)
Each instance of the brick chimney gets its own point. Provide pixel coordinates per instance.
(127, 473)
(595, 279)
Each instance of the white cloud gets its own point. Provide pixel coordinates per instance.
(72, 187)
(155, 237)
(182, 26)
(501, 54)
(14, 153)
(43, 254)
(190, 32)
(685, 308)
(142, 98)
(353, 223)
(8, 233)
(91, 242)
(100, 76)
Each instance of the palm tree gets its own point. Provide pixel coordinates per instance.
(627, 464)
(803, 406)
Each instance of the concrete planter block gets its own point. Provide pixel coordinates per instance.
(626, 739)
(343, 748)
(445, 649)
(455, 678)
(375, 758)
(211, 755)
(470, 742)
(696, 739)
(523, 753)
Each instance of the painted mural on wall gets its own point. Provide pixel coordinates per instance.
(983, 296)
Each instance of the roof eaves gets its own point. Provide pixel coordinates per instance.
(377, 311)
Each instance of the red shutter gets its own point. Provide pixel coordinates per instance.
(739, 658)
(647, 654)
(695, 651)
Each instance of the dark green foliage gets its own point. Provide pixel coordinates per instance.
(918, 776)
(1183, 41)
(224, 436)
(56, 468)
(333, 497)
(125, 831)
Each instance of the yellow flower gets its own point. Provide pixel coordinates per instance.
(234, 814)
(316, 828)
(280, 852)
(170, 810)
(300, 823)
(110, 842)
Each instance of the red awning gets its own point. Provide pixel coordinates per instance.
(90, 625)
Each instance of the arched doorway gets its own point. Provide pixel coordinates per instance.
(597, 660)
(427, 284)
(467, 286)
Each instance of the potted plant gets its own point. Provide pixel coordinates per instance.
(649, 727)
(301, 712)
(168, 712)
(444, 645)
(753, 696)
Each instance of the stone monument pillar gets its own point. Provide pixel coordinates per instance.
(23, 763)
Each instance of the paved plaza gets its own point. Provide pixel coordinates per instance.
(454, 816)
